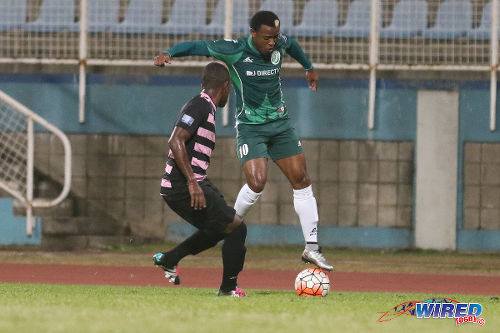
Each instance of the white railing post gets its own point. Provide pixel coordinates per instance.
(494, 64)
(82, 59)
(374, 59)
(29, 176)
(228, 34)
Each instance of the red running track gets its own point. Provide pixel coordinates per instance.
(249, 279)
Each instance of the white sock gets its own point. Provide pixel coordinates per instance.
(246, 198)
(307, 210)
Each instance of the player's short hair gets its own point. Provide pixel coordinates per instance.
(214, 75)
(264, 17)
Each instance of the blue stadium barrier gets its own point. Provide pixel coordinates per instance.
(186, 17)
(240, 18)
(284, 10)
(12, 14)
(13, 228)
(409, 18)
(54, 15)
(319, 18)
(454, 19)
(357, 23)
(103, 14)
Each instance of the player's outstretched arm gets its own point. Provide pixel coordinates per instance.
(191, 48)
(312, 79)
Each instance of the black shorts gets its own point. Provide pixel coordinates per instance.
(215, 217)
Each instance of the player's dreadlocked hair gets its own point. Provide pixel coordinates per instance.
(264, 17)
(214, 75)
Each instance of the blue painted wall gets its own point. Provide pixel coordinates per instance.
(13, 228)
(149, 105)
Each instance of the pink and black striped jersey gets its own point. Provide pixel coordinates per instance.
(197, 117)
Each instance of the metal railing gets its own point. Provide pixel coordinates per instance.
(17, 156)
(122, 33)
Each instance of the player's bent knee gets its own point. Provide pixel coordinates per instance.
(257, 184)
(233, 225)
(240, 232)
(300, 181)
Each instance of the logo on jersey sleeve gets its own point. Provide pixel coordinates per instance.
(188, 120)
(275, 57)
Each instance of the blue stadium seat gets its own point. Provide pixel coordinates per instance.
(240, 18)
(141, 16)
(102, 15)
(284, 10)
(12, 14)
(319, 18)
(484, 29)
(186, 17)
(357, 24)
(409, 18)
(454, 19)
(54, 15)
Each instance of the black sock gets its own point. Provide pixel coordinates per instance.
(196, 243)
(233, 257)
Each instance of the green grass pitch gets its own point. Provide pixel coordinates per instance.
(71, 308)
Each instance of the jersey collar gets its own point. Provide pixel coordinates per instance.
(204, 95)
(250, 44)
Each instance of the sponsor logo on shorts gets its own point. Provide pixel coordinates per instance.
(299, 144)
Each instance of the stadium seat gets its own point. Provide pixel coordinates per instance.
(454, 19)
(186, 17)
(54, 15)
(409, 18)
(319, 18)
(12, 14)
(240, 18)
(103, 14)
(284, 10)
(141, 16)
(357, 24)
(484, 29)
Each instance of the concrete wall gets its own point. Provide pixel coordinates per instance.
(482, 186)
(116, 181)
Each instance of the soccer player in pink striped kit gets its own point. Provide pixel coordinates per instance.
(186, 189)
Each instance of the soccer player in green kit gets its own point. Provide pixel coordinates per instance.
(263, 127)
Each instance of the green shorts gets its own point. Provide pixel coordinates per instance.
(276, 139)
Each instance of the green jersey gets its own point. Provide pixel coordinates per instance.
(256, 79)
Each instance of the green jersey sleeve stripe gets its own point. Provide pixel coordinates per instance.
(198, 47)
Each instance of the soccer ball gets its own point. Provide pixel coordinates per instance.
(312, 282)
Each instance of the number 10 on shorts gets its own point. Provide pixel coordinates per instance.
(243, 150)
